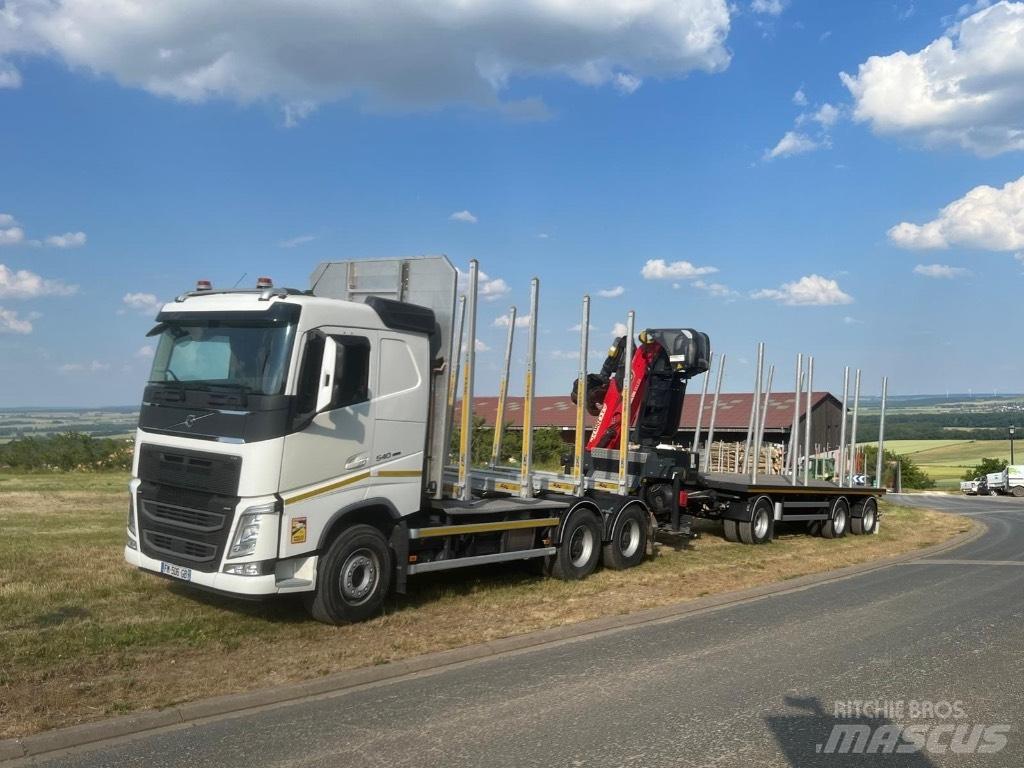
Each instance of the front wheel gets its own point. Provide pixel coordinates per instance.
(353, 577)
(759, 529)
(1017, 491)
(629, 540)
(838, 521)
(580, 548)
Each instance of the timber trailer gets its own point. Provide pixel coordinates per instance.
(297, 442)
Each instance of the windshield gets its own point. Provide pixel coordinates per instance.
(247, 355)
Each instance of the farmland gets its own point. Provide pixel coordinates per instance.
(945, 461)
(117, 421)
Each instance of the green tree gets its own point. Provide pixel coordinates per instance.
(987, 466)
(911, 475)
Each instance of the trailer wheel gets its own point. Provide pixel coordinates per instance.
(628, 545)
(759, 529)
(353, 579)
(580, 548)
(729, 530)
(868, 520)
(838, 521)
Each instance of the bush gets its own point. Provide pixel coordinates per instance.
(67, 452)
(986, 467)
(547, 445)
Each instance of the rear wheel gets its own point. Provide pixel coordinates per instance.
(814, 527)
(353, 577)
(868, 520)
(1017, 490)
(628, 545)
(729, 530)
(759, 529)
(580, 548)
(839, 520)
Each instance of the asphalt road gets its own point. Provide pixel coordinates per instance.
(752, 684)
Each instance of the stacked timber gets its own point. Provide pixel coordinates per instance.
(728, 457)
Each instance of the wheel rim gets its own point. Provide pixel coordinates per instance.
(360, 575)
(629, 538)
(839, 521)
(581, 546)
(760, 524)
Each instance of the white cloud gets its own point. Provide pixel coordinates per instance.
(987, 217)
(826, 115)
(293, 242)
(611, 293)
(9, 76)
(564, 354)
(769, 7)
(92, 367)
(657, 269)
(626, 83)
(464, 216)
(793, 143)
(579, 327)
(940, 271)
(800, 98)
(7, 220)
(619, 329)
(146, 303)
(718, 290)
(22, 284)
(487, 288)
(811, 290)
(543, 235)
(404, 53)
(852, 321)
(965, 88)
(10, 234)
(522, 321)
(67, 240)
(481, 346)
(145, 352)
(10, 322)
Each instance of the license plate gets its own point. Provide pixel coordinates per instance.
(185, 574)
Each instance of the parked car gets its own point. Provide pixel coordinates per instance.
(970, 487)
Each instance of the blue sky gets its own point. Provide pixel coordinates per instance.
(885, 231)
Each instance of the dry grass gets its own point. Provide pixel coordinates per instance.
(83, 636)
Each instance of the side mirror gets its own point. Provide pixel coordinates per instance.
(325, 385)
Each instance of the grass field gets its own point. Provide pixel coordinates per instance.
(945, 461)
(84, 636)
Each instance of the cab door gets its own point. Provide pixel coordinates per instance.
(326, 461)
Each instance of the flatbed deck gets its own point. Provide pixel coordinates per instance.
(740, 483)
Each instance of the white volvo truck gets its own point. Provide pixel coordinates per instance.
(296, 442)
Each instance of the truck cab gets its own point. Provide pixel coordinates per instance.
(270, 415)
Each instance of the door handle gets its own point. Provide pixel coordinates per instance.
(355, 462)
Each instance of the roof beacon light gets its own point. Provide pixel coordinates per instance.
(264, 282)
(204, 285)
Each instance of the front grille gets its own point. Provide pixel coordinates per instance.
(192, 519)
(184, 527)
(165, 544)
(211, 472)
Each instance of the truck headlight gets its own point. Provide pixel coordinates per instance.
(131, 516)
(248, 531)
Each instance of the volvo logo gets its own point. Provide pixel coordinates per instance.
(190, 420)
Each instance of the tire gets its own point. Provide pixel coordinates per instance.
(1017, 491)
(353, 577)
(759, 529)
(729, 530)
(868, 520)
(814, 527)
(838, 520)
(580, 548)
(628, 545)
